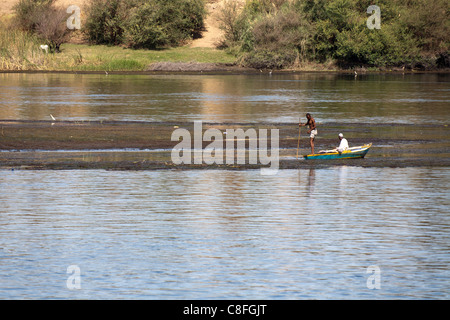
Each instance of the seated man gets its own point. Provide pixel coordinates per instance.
(343, 145)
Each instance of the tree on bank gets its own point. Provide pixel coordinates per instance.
(147, 24)
(44, 19)
(284, 33)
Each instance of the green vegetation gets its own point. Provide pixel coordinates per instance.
(295, 33)
(129, 35)
(104, 22)
(19, 50)
(76, 57)
(43, 19)
(29, 12)
(144, 23)
(120, 33)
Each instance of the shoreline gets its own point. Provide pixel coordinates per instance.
(160, 166)
(225, 70)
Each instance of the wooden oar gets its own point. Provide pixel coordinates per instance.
(298, 141)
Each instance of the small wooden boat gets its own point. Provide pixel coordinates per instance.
(351, 153)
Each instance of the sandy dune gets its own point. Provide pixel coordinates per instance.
(212, 33)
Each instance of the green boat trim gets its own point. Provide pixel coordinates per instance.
(351, 153)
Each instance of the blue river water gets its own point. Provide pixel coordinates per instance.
(301, 234)
(341, 232)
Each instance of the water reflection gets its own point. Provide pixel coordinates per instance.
(311, 180)
(219, 98)
(225, 234)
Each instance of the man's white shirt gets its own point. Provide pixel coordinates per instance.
(343, 145)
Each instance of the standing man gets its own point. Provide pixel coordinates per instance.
(343, 145)
(312, 130)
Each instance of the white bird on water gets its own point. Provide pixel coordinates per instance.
(53, 118)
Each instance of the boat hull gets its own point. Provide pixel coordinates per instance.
(352, 153)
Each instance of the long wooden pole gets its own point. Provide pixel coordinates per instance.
(298, 141)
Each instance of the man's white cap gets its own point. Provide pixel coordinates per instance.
(341, 135)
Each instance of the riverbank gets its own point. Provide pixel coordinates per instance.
(22, 54)
(83, 58)
(128, 145)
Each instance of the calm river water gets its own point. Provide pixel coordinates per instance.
(217, 234)
(409, 98)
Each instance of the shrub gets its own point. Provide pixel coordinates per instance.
(144, 23)
(142, 31)
(285, 29)
(105, 22)
(270, 59)
(269, 31)
(270, 34)
(51, 27)
(429, 23)
(193, 15)
(27, 13)
(228, 23)
(160, 23)
(43, 19)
